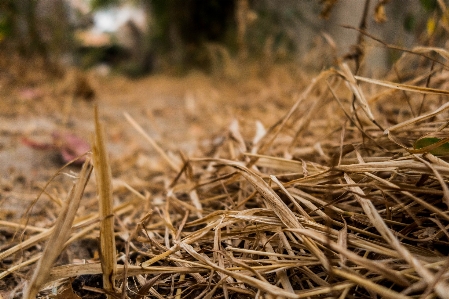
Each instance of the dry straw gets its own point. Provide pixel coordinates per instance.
(59, 234)
(106, 204)
(327, 203)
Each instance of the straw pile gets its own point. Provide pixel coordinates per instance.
(345, 196)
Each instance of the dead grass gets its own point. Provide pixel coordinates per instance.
(333, 200)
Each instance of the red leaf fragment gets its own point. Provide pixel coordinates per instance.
(69, 146)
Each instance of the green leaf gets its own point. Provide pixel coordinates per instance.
(409, 23)
(433, 145)
(429, 5)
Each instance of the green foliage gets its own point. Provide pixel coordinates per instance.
(272, 32)
(429, 5)
(181, 30)
(6, 14)
(97, 4)
(410, 23)
(433, 145)
(5, 28)
(162, 17)
(428, 23)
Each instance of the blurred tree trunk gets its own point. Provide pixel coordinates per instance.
(242, 20)
(25, 30)
(181, 29)
(38, 29)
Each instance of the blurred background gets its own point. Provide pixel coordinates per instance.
(139, 37)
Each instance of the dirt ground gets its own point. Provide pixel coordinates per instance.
(182, 114)
(356, 173)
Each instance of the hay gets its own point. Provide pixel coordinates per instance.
(333, 200)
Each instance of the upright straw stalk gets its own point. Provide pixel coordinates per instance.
(104, 186)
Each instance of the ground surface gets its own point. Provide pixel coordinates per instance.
(175, 110)
(178, 112)
(182, 114)
(365, 191)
